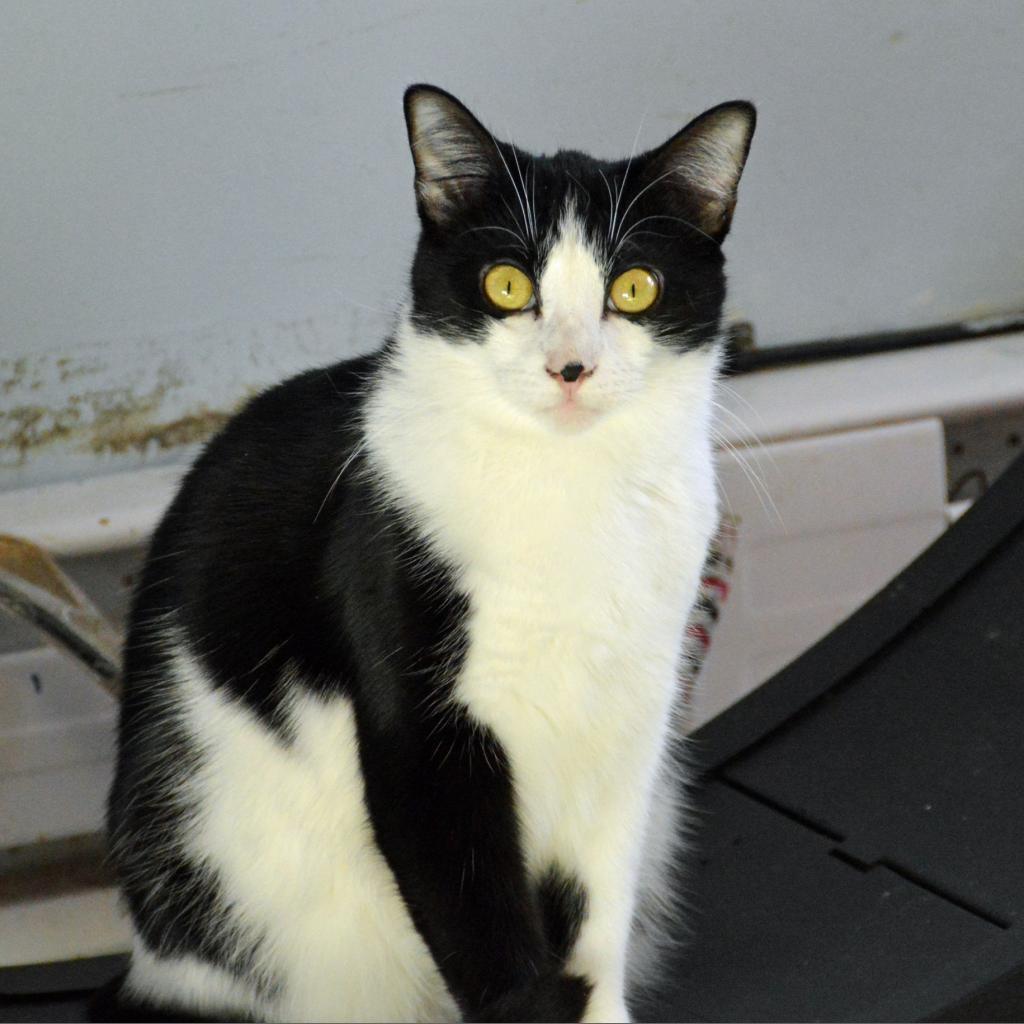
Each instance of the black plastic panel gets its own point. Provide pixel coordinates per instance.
(786, 931)
(862, 850)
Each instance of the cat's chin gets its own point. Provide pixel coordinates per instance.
(572, 417)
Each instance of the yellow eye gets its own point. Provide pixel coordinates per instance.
(508, 288)
(634, 290)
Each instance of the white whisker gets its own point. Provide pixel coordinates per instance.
(739, 398)
(751, 438)
(611, 202)
(615, 226)
(341, 472)
(648, 187)
(515, 220)
(526, 201)
(533, 196)
(755, 479)
(515, 187)
(521, 242)
(579, 185)
(654, 216)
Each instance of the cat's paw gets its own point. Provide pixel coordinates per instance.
(557, 998)
(602, 1009)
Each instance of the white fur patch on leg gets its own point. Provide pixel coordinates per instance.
(180, 981)
(286, 829)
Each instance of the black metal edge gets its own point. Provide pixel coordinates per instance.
(741, 359)
(874, 625)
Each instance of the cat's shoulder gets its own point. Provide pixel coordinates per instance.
(329, 396)
(269, 468)
(295, 429)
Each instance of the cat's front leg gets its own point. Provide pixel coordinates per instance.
(445, 819)
(608, 865)
(606, 1008)
(601, 954)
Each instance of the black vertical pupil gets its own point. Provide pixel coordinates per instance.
(632, 288)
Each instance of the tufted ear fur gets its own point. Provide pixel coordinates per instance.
(702, 165)
(453, 152)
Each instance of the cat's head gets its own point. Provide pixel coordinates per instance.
(570, 284)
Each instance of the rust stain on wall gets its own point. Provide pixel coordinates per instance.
(100, 420)
(31, 426)
(73, 369)
(14, 373)
(124, 435)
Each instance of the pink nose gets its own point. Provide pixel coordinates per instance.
(571, 377)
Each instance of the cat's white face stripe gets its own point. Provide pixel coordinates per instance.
(572, 289)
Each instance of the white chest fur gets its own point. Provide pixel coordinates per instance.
(580, 554)
(578, 596)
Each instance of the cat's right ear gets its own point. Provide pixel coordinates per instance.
(453, 152)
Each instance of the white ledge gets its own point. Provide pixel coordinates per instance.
(948, 381)
(951, 381)
(101, 513)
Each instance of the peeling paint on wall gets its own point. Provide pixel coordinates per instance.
(101, 420)
(128, 434)
(116, 402)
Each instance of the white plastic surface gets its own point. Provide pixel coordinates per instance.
(56, 748)
(89, 923)
(830, 521)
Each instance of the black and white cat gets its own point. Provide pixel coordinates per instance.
(402, 666)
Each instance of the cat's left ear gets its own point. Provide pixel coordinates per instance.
(453, 152)
(702, 164)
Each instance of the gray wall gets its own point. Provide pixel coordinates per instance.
(197, 198)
